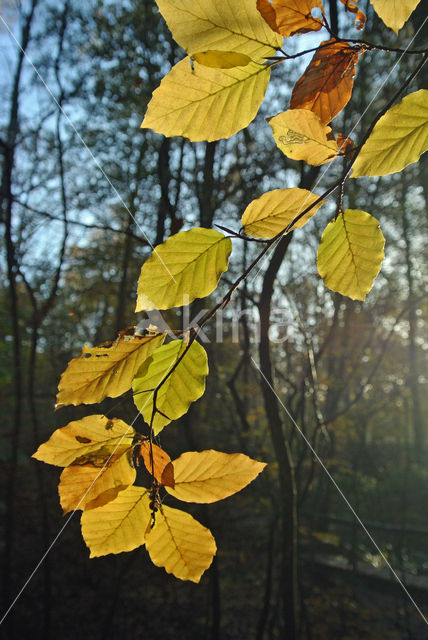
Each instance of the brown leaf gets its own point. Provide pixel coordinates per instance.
(156, 461)
(345, 145)
(326, 86)
(291, 17)
(167, 479)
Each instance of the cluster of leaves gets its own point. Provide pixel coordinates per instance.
(213, 93)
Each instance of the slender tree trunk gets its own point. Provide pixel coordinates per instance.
(282, 451)
(413, 376)
(12, 266)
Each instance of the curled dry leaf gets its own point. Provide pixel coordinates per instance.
(360, 18)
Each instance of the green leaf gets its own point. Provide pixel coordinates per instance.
(185, 384)
(187, 266)
(119, 525)
(206, 104)
(234, 26)
(351, 253)
(275, 210)
(397, 140)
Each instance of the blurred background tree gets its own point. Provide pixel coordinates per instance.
(84, 194)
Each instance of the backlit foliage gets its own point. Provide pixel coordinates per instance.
(212, 93)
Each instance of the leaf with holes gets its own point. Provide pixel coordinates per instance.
(185, 384)
(394, 13)
(291, 17)
(200, 103)
(350, 254)
(300, 135)
(187, 266)
(180, 544)
(209, 476)
(119, 525)
(275, 210)
(90, 440)
(398, 138)
(233, 26)
(105, 371)
(326, 86)
(88, 486)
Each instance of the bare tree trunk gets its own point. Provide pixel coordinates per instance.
(413, 375)
(9, 149)
(281, 447)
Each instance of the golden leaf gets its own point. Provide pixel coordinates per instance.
(119, 525)
(105, 371)
(180, 544)
(235, 26)
(90, 440)
(300, 135)
(208, 476)
(275, 210)
(87, 486)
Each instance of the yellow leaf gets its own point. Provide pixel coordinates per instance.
(206, 104)
(88, 441)
(351, 253)
(275, 210)
(233, 26)
(394, 13)
(180, 544)
(208, 476)
(187, 266)
(185, 384)
(105, 371)
(88, 486)
(119, 525)
(398, 138)
(221, 59)
(300, 135)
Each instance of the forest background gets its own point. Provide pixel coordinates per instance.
(352, 375)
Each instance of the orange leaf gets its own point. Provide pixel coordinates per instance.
(291, 17)
(326, 86)
(360, 18)
(158, 463)
(345, 145)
